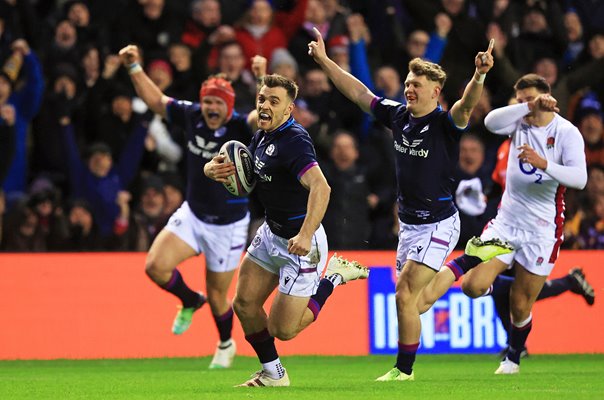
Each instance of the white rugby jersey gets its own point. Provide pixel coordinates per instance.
(534, 199)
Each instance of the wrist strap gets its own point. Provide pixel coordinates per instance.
(134, 68)
(480, 79)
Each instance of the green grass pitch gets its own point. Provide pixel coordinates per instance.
(466, 377)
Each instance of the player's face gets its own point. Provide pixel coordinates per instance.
(274, 108)
(421, 94)
(214, 111)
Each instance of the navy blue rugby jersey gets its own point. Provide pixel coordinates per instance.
(426, 153)
(281, 157)
(209, 200)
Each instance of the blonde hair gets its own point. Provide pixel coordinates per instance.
(430, 70)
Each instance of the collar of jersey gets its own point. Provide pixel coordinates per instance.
(420, 119)
(283, 126)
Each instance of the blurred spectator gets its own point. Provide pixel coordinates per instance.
(48, 153)
(589, 116)
(63, 48)
(346, 220)
(83, 231)
(231, 62)
(2, 211)
(474, 195)
(45, 203)
(574, 36)
(24, 230)
(262, 30)
(283, 63)
(315, 17)
(7, 132)
(88, 33)
(388, 84)
(184, 78)
(98, 180)
(151, 25)
(174, 190)
(149, 217)
(25, 99)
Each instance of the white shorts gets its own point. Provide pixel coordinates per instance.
(221, 244)
(298, 276)
(428, 244)
(536, 251)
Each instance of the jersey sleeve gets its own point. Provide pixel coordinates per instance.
(300, 156)
(177, 111)
(573, 171)
(504, 120)
(383, 110)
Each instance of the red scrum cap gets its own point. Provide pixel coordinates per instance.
(221, 88)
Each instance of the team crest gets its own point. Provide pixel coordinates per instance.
(540, 261)
(270, 150)
(550, 142)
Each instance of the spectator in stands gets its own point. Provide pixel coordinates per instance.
(388, 84)
(589, 117)
(574, 36)
(63, 48)
(284, 64)
(184, 78)
(173, 192)
(149, 218)
(346, 220)
(83, 230)
(263, 30)
(7, 131)
(78, 13)
(151, 25)
(231, 62)
(98, 180)
(24, 228)
(25, 99)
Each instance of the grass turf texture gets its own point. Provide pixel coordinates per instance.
(314, 378)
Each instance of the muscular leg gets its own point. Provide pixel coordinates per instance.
(479, 280)
(217, 286)
(437, 287)
(289, 316)
(254, 285)
(413, 279)
(166, 253)
(523, 294)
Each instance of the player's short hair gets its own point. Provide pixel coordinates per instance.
(533, 81)
(275, 80)
(430, 70)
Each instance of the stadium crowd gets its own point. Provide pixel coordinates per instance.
(86, 166)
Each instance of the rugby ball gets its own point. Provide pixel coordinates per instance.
(242, 182)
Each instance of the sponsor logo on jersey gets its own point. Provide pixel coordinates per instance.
(425, 128)
(203, 148)
(406, 149)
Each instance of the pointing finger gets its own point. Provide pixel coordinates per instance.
(491, 45)
(318, 34)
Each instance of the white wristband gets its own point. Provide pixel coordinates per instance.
(134, 68)
(480, 79)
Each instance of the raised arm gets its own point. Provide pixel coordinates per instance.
(462, 109)
(347, 84)
(144, 86)
(318, 199)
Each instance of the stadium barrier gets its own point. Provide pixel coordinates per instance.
(102, 305)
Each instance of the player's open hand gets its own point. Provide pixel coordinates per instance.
(484, 60)
(299, 245)
(544, 102)
(218, 170)
(130, 55)
(528, 155)
(316, 48)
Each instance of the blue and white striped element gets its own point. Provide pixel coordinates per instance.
(455, 324)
